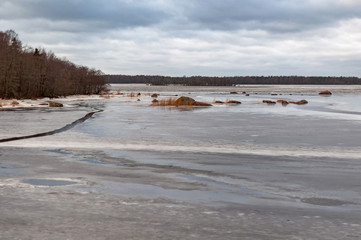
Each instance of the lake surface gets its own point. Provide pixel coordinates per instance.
(272, 157)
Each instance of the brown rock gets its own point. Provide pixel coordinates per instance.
(155, 95)
(202, 104)
(55, 104)
(14, 103)
(326, 92)
(233, 102)
(187, 101)
(233, 92)
(182, 101)
(218, 102)
(269, 102)
(301, 102)
(283, 102)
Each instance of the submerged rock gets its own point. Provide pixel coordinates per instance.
(14, 103)
(269, 102)
(326, 92)
(55, 104)
(283, 102)
(301, 102)
(233, 102)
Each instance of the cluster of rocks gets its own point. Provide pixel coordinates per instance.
(284, 102)
(228, 102)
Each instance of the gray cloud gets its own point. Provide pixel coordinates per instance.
(276, 15)
(195, 37)
(93, 13)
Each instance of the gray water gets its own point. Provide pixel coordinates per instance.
(231, 153)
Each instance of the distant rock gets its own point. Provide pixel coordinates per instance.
(233, 102)
(269, 102)
(155, 95)
(14, 103)
(326, 92)
(283, 102)
(155, 101)
(301, 102)
(233, 92)
(218, 102)
(55, 104)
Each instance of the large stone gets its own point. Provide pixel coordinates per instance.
(269, 102)
(187, 101)
(55, 104)
(283, 102)
(326, 92)
(301, 102)
(233, 102)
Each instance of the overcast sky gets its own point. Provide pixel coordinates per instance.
(195, 37)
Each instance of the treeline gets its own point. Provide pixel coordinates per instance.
(27, 73)
(229, 81)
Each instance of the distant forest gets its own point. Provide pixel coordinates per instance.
(28, 73)
(229, 81)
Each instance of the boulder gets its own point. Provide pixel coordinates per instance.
(326, 92)
(301, 102)
(14, 103)
(155, 101)
(269, 102)
(202, 104)
(155, 95)
(187, 101)
(233, 102)
(283, 102)
(233, 92)
(55, 104)
(184, 101)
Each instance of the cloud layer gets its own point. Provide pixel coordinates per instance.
(195, 37)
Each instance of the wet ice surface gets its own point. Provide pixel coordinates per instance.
(283, 160)
(48, 182)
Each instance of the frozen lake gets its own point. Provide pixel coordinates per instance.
(292, 162)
